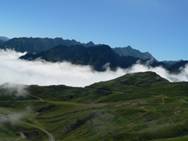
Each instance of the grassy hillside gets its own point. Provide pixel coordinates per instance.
(135, 107)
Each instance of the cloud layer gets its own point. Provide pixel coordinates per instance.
(14, 70)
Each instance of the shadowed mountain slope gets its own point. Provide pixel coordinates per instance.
(129, 51)
(36, 45)
(99, 56)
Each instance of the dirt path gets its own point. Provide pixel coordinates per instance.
(50, 136)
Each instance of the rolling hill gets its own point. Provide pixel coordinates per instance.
(134, 107)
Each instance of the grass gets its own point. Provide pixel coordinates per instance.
(139, 107)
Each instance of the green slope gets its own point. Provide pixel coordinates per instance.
(135, 107)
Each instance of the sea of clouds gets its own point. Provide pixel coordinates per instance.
(16, 71)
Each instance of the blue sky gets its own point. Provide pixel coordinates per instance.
(157, 26)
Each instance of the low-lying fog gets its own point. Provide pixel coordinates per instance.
(14, 70)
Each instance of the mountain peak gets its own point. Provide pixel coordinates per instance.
(141, 78)
(129, 51)
(3, 38)
(129, 47)
(90, 43)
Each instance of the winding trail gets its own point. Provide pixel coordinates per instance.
(39, 98)
(50, 136)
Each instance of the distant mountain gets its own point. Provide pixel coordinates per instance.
(97, 56)
(129, 51)
(4, 39)
(100, 57)
(172, 66)
(36, 45)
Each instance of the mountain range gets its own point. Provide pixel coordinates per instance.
(99, 56)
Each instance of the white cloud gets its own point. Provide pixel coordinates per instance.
(15, 89)
(182, 76)
(14, 70)
(14, 117)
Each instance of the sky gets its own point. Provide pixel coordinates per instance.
(156, 26)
